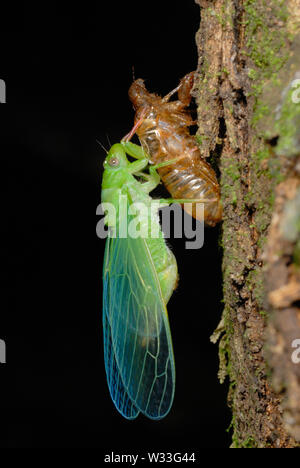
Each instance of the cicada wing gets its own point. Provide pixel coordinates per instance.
(117, 390)
(136, 317)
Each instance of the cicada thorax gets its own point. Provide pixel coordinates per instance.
(164, 134)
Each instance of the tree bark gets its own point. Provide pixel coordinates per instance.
(249, 125)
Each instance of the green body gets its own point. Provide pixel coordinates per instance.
(139, 276)
(119, 180)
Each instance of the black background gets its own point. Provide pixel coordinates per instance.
(67, 70)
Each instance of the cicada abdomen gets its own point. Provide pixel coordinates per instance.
(163, 130)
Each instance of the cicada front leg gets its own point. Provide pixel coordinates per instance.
(185, 89)
(137, 152)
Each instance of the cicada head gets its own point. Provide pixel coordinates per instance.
(115, 174)
(116, 158)
(139, 95)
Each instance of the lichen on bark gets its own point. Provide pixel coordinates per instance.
(249, 122)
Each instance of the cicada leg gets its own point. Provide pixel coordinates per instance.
(135, 151)
(169, 201)
(185, 88)
(168, 96)
(167, 163)
(137, 166)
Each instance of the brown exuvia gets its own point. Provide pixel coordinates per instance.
(163, 130)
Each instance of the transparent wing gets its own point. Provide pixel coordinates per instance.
(138, 349)
(115, 383)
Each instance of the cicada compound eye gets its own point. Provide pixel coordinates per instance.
(114, 162)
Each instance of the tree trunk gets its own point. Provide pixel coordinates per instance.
(249, 124)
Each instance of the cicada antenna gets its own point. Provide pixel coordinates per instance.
(102, 146)
(108, 140)
(133, 73)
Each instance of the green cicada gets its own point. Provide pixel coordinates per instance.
(139, 277)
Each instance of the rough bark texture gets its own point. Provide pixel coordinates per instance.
(249, 124)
